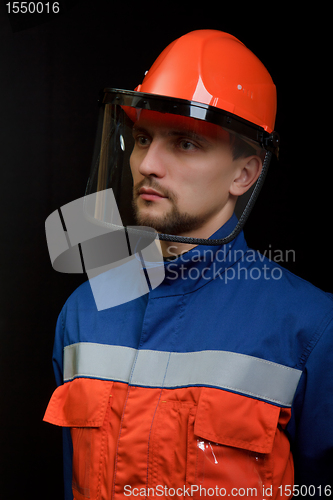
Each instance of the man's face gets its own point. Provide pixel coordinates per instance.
(182, 169)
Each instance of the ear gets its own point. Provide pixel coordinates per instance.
(247, 172)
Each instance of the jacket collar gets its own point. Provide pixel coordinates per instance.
(202, 264)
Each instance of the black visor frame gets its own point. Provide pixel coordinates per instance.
(192, 109)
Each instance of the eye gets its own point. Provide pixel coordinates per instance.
(187, 145)
(142, 140)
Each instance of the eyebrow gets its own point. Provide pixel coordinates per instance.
(188, 133)
(139, 129)
(173, 133)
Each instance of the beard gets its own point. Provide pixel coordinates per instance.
(173, 221)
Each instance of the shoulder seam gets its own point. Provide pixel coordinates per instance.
(315, 339)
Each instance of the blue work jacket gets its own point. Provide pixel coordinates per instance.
(230, 342)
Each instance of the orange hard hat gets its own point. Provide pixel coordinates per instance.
(204, 78)
(216, 69)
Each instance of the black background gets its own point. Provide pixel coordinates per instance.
(51, 69)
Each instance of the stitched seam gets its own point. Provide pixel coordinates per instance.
(118, 442)
(315, 338)
(152, 422)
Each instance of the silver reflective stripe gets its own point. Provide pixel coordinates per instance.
(226, 370)
(98, 360)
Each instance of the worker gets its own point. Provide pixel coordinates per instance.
(218, 381)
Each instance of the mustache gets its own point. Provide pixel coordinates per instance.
(150, 182)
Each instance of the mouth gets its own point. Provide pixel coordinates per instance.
(150, 194)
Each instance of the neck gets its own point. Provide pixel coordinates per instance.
(173, 248)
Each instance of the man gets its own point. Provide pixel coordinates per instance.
(215, 383)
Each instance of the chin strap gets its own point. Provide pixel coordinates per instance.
(243, 218)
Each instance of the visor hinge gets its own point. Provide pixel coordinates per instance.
(271, 143)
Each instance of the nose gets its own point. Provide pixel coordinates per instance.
(152, 161)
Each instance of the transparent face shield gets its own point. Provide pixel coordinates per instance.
(159, 165)
(167, 163)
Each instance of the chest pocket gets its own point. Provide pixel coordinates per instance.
(84, 405)
(238, 444)
(225, 442)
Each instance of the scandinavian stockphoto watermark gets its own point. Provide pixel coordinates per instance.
(122, 264)
(87, 236)
(228, 264)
